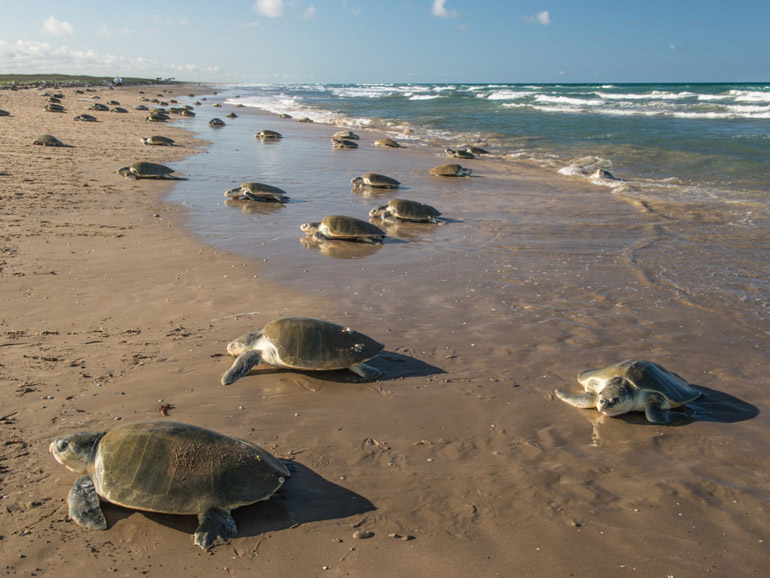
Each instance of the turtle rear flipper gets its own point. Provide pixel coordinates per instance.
(582, 400)
(243, 365)
(365, 371)
(215, 525)
(84, 505)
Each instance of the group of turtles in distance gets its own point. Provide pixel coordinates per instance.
(137, 464)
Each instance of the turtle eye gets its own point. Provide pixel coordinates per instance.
(61, 445)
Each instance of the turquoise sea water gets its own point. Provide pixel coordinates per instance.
(708, 139)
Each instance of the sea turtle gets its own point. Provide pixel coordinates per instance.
(375, 180)
(146, 170)
(460, 154)
(4, 113)
(216, 123)
(156, 117)
(158, 141)
(170, 468)
(217, 105)
(231, 115)
(450, 170)
(344, 228)
(140, 107)
(476, 150)
(305, 119)
(405, 210)
(257, 192)
(387, 142)
(54, 108)
(85, 118)
(341, 143)
(48, 140)
(99, 106)
(346, 135)
(284, 115)
(305, 344)
(632, 385)
(187, 112)
(118, 109)
(267, 135)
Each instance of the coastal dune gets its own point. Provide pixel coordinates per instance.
(459, 459)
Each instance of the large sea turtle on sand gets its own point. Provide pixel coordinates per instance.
(257, 192)
(146, 170)
(341, 143)
(405, 210)
(48, 140)
(171, 468)
(345, 135)
(632, 385)
(450, 170)
(158, 140)
(375, 180)
(343, 228)
(305, 344)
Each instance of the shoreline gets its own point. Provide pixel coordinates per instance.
(459, 460)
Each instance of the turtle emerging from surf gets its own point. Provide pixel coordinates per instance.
(268, 134)
(305, 344)
(216, 123)
(146, 170)
(257, 192)
(342, 143)
(450, 170)
(406, 210)
(460, 154)
(375, 180)
(388, 142)
(345, 135)
(343, 228)
(170, 468)
(632, 385)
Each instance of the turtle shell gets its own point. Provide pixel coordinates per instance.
(148, 170)
(304, 343)
(257, 191)
(345, 134)
(268, 134)
(450, 170)
(344, 227)
(176, 468)
(646, 376)
(412, 210)
(48, 140)
(378, 180)
(387, 142)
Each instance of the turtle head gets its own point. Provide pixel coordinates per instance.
(378, 211)
(74, 451)
(616, 397)
(310, 228)
(243, 343)
(357, 181)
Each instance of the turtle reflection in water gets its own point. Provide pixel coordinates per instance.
(170, 468)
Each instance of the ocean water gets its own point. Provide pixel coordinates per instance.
(707, 139)
(692, 163)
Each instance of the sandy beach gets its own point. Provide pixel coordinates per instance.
(459, 460)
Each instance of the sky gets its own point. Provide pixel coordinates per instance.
(373, 41)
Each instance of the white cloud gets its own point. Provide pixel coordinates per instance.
(309, 14)
(34, 56)
(269, 8)
(57, 27)
(438, 9)
(543, 18)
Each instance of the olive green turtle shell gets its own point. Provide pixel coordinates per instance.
(412, 210)
(176, 468)
(646, 376)
(344, 227)
(304, 343)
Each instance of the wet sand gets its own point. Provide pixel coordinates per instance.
(459, 460)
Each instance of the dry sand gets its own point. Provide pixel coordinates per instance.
(459, 461)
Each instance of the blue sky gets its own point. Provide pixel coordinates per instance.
(269, 41)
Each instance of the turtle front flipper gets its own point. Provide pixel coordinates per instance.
(215, 525)
(84, 505)
(583, 400)
(367, 372)
(243, 364)
(657, 410)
